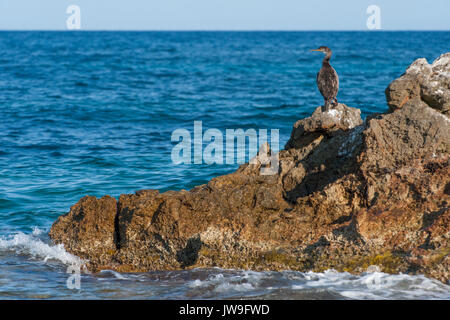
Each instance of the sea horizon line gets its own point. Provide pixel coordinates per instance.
(220, 30)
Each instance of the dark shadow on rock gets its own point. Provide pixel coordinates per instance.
(302, 140)
(432, 167)
(349, 232)
(429, 218)
(333, 158)
(316, 181)
(122, 219)
(426, 244)
(321, 243)
(342, 219)
(116, 235)
(157, 212)
(79, 216)
(427, 221)
(189, 254)
(163, 242)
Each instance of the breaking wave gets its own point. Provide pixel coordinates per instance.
(329, 284)
(33, 246)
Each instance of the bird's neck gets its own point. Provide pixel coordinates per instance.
(327, 58)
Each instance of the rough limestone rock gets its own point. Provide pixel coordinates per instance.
(340, 118)
(347, 195)
(429, 83)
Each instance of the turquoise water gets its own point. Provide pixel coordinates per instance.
(93, 112)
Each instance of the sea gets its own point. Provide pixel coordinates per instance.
(93, 113)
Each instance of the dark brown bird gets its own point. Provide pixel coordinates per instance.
(327, 79)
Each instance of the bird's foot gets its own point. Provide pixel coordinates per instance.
(329, 104)
(326, 106)
(335, 102)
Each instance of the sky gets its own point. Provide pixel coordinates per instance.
(225, 14)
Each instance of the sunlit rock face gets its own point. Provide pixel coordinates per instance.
(347, 195)
(427, 82)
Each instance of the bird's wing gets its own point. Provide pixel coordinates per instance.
(328, 82)
(337, 81)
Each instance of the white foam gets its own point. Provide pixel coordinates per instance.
(377, 285)
(37, 231)
(220, 283)
(227, 287)
(31, 245)
(116, 275)
(369, 285)
(196, 284)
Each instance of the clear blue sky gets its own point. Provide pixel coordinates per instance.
(225, 14)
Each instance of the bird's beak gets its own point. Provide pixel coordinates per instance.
(315, 50)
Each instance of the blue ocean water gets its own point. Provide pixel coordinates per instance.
(93, 113)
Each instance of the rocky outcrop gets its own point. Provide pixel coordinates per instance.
(425, 82)
(347, 195)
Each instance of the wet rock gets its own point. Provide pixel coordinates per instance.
(89, 228)
(347, 195)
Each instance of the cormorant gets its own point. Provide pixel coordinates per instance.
(327, 79)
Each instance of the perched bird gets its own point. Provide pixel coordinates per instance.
(327, 79)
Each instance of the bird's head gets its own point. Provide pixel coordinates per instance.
(322, 49)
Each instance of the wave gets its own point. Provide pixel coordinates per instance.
(311, 285)
(377, 285)
(33, 246)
